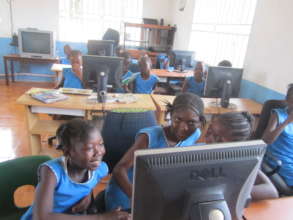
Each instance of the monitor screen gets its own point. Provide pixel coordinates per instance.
(195, 182)
(216, 78)
(34, 42)
(101, 47)
(184, 57)
(93, 65)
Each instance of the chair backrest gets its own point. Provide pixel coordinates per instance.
(16, 173)
(265, 116)
(119, 132)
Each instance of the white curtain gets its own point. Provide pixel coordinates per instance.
(221, 30)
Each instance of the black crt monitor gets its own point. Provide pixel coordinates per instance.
(94, 65)
(185, 58)
(217, 76)
(101, 47)
(195, 183)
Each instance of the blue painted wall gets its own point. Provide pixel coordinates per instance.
(257, 92)
(5, 49)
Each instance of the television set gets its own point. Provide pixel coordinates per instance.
(101, 47)
(217, 77)
(195, 183)
(93, 66)
(36, 43)
(184, 59)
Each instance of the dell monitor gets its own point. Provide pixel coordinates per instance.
(218, 76)
(101, 47)
(183, 59)
(94, 66)
(208, 182)
(36, 43)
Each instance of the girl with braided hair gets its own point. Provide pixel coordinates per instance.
(187, 119)
(65, 183)
(238, 126)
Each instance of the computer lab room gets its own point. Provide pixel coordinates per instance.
(146, 110)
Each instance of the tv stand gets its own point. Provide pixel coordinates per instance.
(217, 104)
(17, 58)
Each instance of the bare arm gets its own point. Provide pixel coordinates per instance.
(184, 87)
(76, 68)
(263, 188)
(44, 202)
(273, 130)
(120, 170)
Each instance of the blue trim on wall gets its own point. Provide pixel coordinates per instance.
(257, 92)
(6, 48)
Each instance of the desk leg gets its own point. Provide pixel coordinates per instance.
(6, 70)
(12, 70)
(34, 139)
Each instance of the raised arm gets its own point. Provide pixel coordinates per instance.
(273, 130)
(121, 169)
(43, 208)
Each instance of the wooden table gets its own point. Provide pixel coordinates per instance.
(277, 209)
(211, 106)
(76, 105)
(17, 58)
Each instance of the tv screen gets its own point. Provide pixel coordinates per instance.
(36, 43)
(33, 42)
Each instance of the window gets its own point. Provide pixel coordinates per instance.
(81, 20)
(221, 29)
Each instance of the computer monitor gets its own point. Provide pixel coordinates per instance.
(36, 43)
(94, 65)
(185, 59)
(195, 183)
(101, 47)
(216, 78)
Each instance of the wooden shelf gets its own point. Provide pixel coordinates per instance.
(47, 127)
(150, 26)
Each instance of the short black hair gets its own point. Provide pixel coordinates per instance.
(76, 130)
(75, 53)
(225, 63)
(238, 124)
(190, 101)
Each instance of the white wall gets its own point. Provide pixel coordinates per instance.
(183, 21)
(158, 9)
(270, 49)
(29, 13)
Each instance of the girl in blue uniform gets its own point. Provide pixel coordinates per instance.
(72, 77)
(279, 136)
(145, 82)
(238, 126)
(195, 84)
(186, 121)
(66, 183)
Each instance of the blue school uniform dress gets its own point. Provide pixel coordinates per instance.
(195, 87)
(145, 86)
(64, 60)
(282, 148)
(114, 196)
(71, 80)
(68, 192)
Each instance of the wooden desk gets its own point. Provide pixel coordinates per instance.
(166, 74)
(277, 209)
(77, 105)
(210, 106)
(17, 58)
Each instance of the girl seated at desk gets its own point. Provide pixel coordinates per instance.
(143, 82)
(65, 184)
(195, 84)
(187, 119)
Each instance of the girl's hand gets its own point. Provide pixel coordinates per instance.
(116, 215)
(82, 205)
(290, 118)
